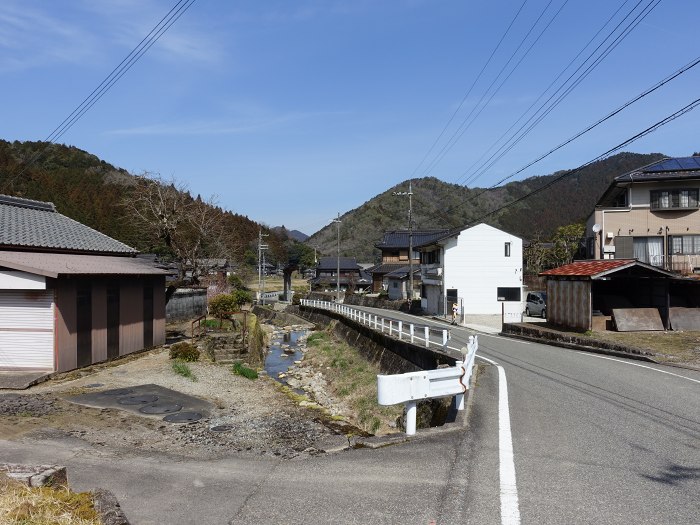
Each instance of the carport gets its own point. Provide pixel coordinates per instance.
(589, 295)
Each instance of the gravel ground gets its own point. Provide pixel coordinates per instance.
(249, 417)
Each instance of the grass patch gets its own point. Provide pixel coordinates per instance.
(242, 370)
(20, 505)
(353, 380)
(181, 368)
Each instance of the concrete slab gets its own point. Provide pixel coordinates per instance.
(149, 398)
(685, 318)
(637, 319)
(19, 380)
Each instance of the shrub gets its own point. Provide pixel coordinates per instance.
(184, 351)
(221, 304)
(236, 282)
(242, 370)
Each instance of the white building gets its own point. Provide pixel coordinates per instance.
(477, 268)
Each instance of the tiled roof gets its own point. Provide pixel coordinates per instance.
(596, 268)
(588, 268)
(56, 264)
(331, 263)
(402, 272)
(385, 268)
(399, 238)
(36, 225)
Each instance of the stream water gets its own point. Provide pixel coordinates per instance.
(278, 360)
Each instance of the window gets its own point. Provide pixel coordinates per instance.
(673, 199)
(684, 244)
(430, 257)
(649, 250)
(508, 294)
(507, 249)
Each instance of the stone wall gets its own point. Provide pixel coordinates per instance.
(186, 303)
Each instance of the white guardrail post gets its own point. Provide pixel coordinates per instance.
(427, 337)
(400, 330)
(409, 388)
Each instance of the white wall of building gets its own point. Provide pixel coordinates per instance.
(476, 265)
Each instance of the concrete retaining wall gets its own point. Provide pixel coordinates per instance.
(186, 303)
(392, 355)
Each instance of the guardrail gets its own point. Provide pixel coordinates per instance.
(411, 387)
(394, 327)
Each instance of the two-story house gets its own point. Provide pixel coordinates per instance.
(352, 277)
(477, 268)
(650, 214)
(392, 273)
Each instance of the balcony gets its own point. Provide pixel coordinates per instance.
(681, 264)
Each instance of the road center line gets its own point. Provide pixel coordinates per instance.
(641, 366)
(510, 510)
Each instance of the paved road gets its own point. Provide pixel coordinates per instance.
(594, 440)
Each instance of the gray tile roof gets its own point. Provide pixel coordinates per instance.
(399, 238)
(331, 263)
(37, 226)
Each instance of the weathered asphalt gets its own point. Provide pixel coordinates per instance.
(595, 441)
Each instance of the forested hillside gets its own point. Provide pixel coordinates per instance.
(438, 204)
(92, 192)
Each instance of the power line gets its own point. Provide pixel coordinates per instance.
(468, 120)
(544, 109)
(634, 138)
(117, 73)
(466, 95)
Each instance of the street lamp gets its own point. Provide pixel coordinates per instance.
(410, 239)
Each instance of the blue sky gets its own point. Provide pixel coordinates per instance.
(292, 111)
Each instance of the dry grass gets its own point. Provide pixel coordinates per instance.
(671, 347)
(22, 505)
(353, 381)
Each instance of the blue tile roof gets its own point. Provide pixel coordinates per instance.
(37, 226)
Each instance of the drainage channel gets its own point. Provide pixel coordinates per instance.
(285, 349)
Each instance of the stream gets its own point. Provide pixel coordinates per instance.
(285, 348)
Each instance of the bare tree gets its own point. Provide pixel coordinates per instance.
(189, 228)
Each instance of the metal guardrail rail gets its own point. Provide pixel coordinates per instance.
(393, 327)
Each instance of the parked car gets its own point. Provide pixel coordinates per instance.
(536, 304)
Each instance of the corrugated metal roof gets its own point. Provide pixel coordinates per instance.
(58, 264)
(589, 268)
(25, 223)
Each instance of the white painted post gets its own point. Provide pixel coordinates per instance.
(427, 337)
(400, 330)
(391, 326)
(410, 418)
(375, 321)
(459, 398)
(445, 338)
(382, 325)
(411, 329)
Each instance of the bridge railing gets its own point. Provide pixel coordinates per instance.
(398, 328)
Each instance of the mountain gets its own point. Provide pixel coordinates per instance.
(438, 204)
(294, 235)
(91, 191)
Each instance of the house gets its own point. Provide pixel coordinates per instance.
(394, 248)
(650, 214)
(591, 294)
(71, 296)
(478, 268)
(352, 277)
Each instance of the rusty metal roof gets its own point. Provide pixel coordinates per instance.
(596, 268)
(57, 264)
(589, 268)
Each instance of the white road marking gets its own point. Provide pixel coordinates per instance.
(637, 364)
(510, 509)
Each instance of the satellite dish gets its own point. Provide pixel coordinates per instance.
(596, 228)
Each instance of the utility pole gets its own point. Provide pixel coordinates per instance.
(410, 238)
(337, 287)
(261, 262)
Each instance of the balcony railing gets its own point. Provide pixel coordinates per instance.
(682, 264)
